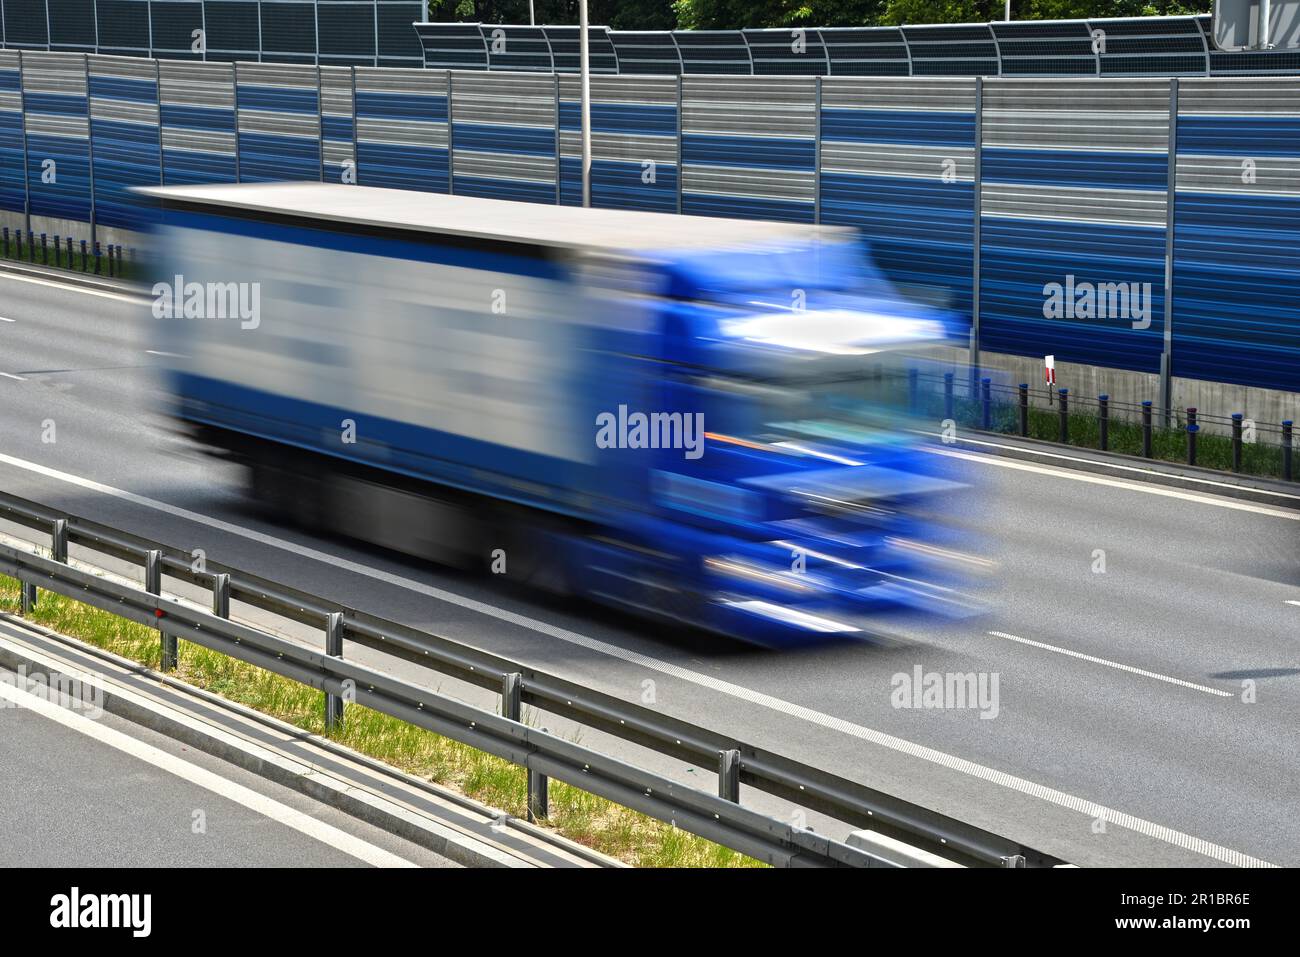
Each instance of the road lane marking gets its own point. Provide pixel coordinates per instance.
(201, 777)
(820, 719)
(3, 319)
(1114, 664)
(1293, 602)
(165, 355)
(69, 287)
(1118, 483)
(1074, 458)
(10, 375)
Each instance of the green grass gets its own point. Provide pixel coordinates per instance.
(583, 817)
(1262, 459)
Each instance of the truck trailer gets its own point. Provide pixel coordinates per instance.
(684, 417)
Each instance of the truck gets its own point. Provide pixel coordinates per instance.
(688, 418)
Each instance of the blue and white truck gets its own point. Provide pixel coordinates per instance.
(683, 417)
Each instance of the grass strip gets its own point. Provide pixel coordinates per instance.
(576, 814)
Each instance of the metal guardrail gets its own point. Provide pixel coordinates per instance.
(719, 818)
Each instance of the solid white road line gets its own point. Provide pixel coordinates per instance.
(68, 287)
(1119, 483)
(1293, 602)
(202, 777)
(818, 718)
(1211, 484)
(3, 319)
(1113, 664)
(10, 375)
(165, 355)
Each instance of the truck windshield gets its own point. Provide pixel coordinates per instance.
(853, 400)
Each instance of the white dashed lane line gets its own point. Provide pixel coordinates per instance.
(1113, 664)
(16, 378)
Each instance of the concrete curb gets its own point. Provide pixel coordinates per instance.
(1131, 468)
(520, 844)
(67, 277)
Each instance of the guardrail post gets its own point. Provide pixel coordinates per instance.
(1146, 428)
(153, 585)
(1014, 860)
(1103, 420)
(221, 595)
(18, 244)
(59, 540)
(729, 775)
(512, 688)
(1023, 389)
(85, 263)
(913, 391)
(28, 598)
(986, 402)
(6, 237)
(333, 648)
(58, 250)
(1236, 441)
(1286, 450)
(45, 250)
(1192, 429)
(539, 796)
(98, 253)
(1064, 413)
(947, 395)
(31, 246)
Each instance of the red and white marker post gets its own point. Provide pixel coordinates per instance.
(1049, 375)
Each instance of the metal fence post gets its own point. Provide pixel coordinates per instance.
(1023, 389)
(538, 799)
(1236, 441)
(539, 796)
(1146, 428)
(1286, 449)
(221, 595)
(153, 585)
(28, 598)
(59, 540)
(1192, 429)
(1064, 413)
(947, 395)
(986, 403)
(512, 687)
(333, 648)
(729, 775)
(1103, 413)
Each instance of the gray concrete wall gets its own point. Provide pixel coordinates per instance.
(1264, 406)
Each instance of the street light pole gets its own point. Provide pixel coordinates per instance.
(584, 66)
(1008, 16)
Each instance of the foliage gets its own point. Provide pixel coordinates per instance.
(738, 14)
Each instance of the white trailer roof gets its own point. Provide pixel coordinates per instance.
(535, 223)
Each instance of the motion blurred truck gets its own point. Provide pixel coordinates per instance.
(688, 418)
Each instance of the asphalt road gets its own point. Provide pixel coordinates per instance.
(83, 788)
(1121, 735)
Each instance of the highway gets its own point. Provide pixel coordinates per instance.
(1120, 692)
(83, 788)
